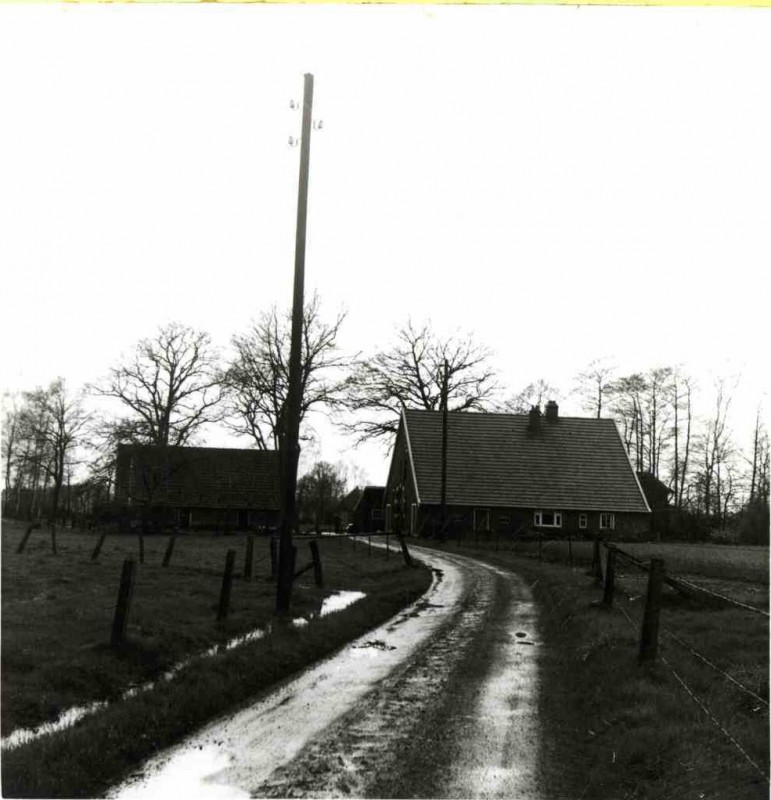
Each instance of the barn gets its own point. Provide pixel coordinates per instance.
(199, 487)
(513, 473)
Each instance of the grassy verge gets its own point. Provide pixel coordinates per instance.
(613, 729)
(57, 612)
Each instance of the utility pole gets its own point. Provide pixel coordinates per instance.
(290, 445)
(444, 404)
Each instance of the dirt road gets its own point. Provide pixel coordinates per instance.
(439, 702)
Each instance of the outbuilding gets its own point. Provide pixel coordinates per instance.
(198, 487)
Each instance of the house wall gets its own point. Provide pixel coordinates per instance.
(513, 521)
(400, 475)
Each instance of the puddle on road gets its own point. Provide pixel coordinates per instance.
(377, 644)
(331, 604)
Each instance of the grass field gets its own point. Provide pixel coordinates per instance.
(57, 614)
(615, 729)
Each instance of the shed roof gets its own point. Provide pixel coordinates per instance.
(204, 477)
(572, 463)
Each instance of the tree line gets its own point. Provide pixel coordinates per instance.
(176, 384)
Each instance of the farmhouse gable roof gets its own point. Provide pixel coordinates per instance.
(570, 463)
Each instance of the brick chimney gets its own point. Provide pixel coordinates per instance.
(534, 421)
(552, 411)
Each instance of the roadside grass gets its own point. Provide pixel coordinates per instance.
(615, 729)
(749, 563)
(56, 620)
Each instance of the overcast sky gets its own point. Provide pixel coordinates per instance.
(565, 183)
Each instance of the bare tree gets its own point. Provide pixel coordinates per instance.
(258, 377)
(319, 491)
(56, 422)
(626, 403)
(681, 401)
(534, 394)
(593, 386)
(410, 374)
(716, 450)
(171, 386)
(10, 440)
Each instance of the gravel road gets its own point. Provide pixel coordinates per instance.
(441, 701)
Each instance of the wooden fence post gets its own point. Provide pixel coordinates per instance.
(169, 550)
(610, 576)
(273, 557)
(650, 626)
(98, 548)
(227, 581)
(597, 561)
(53, 539)
(122, 606)
(405, 551)
(318, 572)
(23, 542)
(388, 547)
(369, 550)
(249, 557)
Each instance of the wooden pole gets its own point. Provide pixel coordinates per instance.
(444, 402)
(273, 558)
(227, 582)
(290, 449)
(98, 548)
(23, 542)
(610, 576)
(53, 539)
(318, 571)
(650, 626)
(249, 557)
(169, 551)
(123, 604)
(597, 561)
(405, 551)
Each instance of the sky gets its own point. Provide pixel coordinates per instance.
(565, 183)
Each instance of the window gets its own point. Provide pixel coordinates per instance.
(607, 522)
(377, 513)
(582, 521)
(548, 519)
(481, 519)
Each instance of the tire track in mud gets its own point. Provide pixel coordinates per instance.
(362, 748)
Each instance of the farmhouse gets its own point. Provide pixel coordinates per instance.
(199, 486)
(513, 473)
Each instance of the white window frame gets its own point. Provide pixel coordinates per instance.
(484, 513)
(377, 514)
(539, 523)
(583, 521)
(609, 517)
